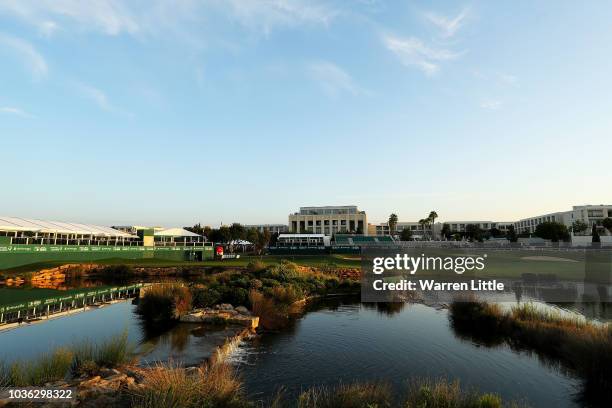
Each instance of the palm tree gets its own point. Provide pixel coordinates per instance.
(423, 222)
(432, 217)
(392, 223)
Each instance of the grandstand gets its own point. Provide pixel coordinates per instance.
(353, 239)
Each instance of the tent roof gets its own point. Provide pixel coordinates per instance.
(58, 227)
(175, 232)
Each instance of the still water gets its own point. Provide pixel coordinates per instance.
(336, 340)
(351, 341)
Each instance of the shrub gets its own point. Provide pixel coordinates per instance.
(164, 302)
(256, 266)
(204, 297)
(89, 357)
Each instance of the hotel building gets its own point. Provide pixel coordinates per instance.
(589, 214)
(273, 228)
(329, 220)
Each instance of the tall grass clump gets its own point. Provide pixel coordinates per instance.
(89, 357)
(356, 395)
(446, 394)
(48, 367)
(164, 302)
(211, 386)
(575, 343)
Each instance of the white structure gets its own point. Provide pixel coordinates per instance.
(460, 226)
(589, 214)
(273, 228)
(329, 220)
(419, 231)
(303, 241)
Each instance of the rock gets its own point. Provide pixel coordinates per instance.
(224, 306)
(137, 375)
(243, 310)
(192, 318)
(91, 382)
(116, 377)
(108, 372)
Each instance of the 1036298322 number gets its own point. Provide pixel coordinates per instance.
(37, 394)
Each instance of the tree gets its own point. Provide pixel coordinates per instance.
(423, 222)
(406, 234)
(252, 236)
(595, 234)
(607, 223)
(512, 234)
(392, 223)
(432, 218)
(495, 233)
(554, 231)
(446, 231)
(473, 232)
(237, 231)
(579, 227)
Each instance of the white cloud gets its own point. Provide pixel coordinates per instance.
(14, 111)
(491, 104)
(109, 16)
(114, 17)
(28, 54)
(413, 52)
(332, 78)
(448, 26)
(96, 95)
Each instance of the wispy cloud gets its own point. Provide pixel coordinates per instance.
(508, 79)
(100, 98)
(332, 79)
(491, 104)
(114, 17)
(109, 16)
(449, 26)
(14, 111)
(413, 52)
(35, 62)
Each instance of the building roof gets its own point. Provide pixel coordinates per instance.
(175, 232)
(58, 227)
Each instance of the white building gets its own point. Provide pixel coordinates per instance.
(589, 214)
(460, 226)
(303, 241)
(418, 230)
(329, 220)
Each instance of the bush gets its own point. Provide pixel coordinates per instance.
(256, 266)
(164, 302)
(89, 357)
(204, 297)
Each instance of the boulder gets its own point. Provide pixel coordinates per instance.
(243, 310)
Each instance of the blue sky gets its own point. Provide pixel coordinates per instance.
(176, 112)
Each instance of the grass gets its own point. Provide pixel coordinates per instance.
(356, 395)
(580, 346)
(210, 386)
(164, 302)
(66, 361)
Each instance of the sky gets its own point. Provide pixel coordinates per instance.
(159, 112)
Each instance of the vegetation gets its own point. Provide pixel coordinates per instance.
(84, 358)
(607, 224)
(164, 302)
(354, 395)
(210, 386)
(392, 224)
(555, 231)
(406, 234)
(595, 234)
(576, 344)
(579, 227)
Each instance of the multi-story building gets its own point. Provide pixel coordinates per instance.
(418, 230)
(460, 226)
(329, 220)
(589, 214)
(273, 228)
